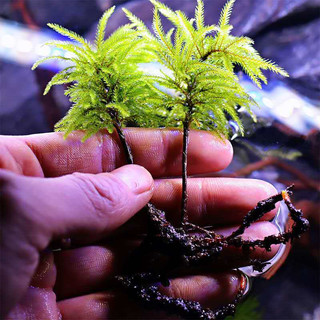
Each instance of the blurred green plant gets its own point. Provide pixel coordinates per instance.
(247, 310)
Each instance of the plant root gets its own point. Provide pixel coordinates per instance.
(184, 249)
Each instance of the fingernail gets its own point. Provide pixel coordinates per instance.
(137, 178)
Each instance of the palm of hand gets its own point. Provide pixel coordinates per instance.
(78, 283)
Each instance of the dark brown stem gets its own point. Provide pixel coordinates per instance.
(124, 143)
(206, 56)
(184, 199)
(114, 115)
(117, 125)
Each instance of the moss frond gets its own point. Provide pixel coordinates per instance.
(73, 50)
(166, 11)
(199, 15)
(70, 34)
(42, 60)
(64, 76)
(102, 26)
(225, 14)
(201, 62)
(104, 79)
(137, 23)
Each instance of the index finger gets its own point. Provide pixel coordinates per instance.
(158, 150)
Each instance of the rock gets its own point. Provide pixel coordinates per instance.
(12, 77)
(104, 4)
(27, 119)
(21, 111)
(248, 17)
(77, 15)
(297, 49)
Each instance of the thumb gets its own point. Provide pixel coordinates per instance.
(79, 204)
(36, 210)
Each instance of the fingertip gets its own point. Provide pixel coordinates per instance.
(251, 191)
(137, 178)
(225, 155)
(211, 290)
(261, 230)
(267, 188)
(256, 231)
(214, 153)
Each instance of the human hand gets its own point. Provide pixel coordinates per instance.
(44, 200)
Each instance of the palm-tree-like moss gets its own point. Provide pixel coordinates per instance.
(201, 62)
(107, 88)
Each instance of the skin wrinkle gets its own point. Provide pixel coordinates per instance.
(206, 283)
(64, 154)
(36, 151)
(89, 269)
(161, 146)
(155, 150)
(101, 201)
(38, 163)
(165, 150)
(174, 290)
(92, 306)
(115, 151)
(18, 168)
(97, 154)
(206, 198)
(202, 205)
(17, 162)
(89, 155)
(171, 149)
(91, 264)
(108, 151)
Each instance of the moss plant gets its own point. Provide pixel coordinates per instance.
(106, 86)
(201, 61)
(108, 90)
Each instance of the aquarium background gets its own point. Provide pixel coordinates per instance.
(283, 147)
